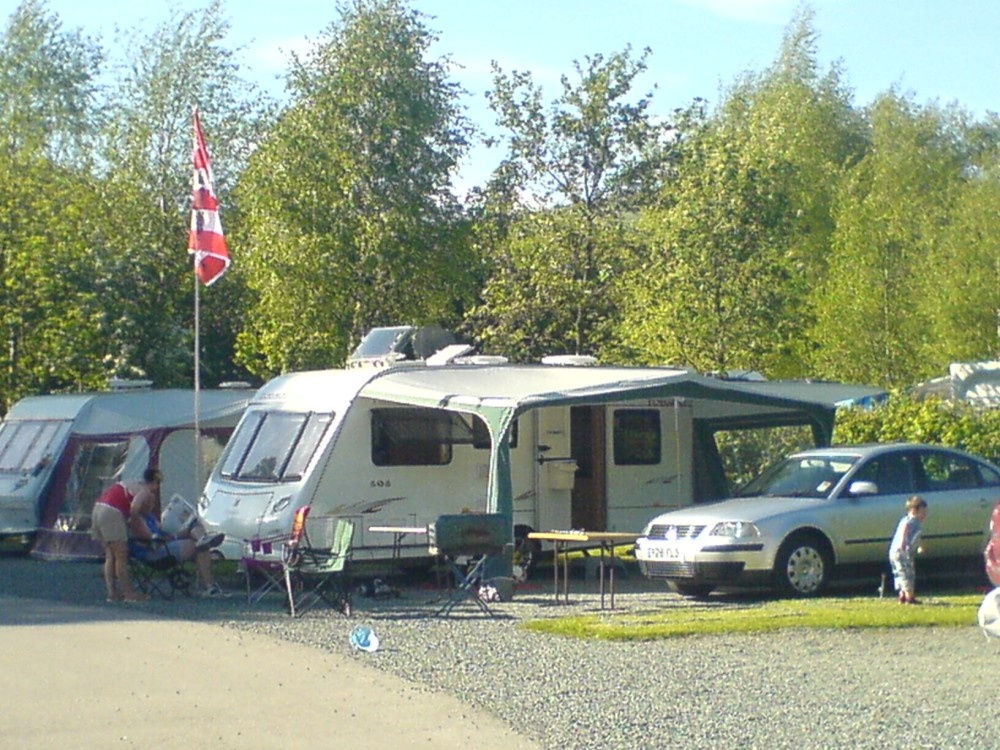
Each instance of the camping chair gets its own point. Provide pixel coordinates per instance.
(163, 576)
(319, 574)
(262, 559)
(476, 535)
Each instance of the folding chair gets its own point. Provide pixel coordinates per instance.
(262, 559)
(476, 535)
(467, 586)
(319, 574)
(163, 576)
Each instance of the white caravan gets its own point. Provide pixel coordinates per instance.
(551, 446)
(58, 452)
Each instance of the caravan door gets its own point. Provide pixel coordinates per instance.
(587, 440)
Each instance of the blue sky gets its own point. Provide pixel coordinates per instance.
(933, 50)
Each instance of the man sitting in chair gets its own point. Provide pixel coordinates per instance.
(147, 541)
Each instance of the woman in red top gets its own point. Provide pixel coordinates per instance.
(109, 526)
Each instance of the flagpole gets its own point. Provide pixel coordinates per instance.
(197, 382)
(207, 246)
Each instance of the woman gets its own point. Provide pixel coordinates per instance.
(109, 526)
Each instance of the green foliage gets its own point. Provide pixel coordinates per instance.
(562, 197)
(50, 314)
(349, 221)
(950, 423)
(871, 320)
(49, 208)
(788, 231)
(148, 279)
(712, 293)
(739, 239)
(746, 453)
(960, 281)
(687, 619)
(47, 86)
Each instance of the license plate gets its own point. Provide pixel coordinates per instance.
(663, 552)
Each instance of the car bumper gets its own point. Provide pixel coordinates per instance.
(745, 562)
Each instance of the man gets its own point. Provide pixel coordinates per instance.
(149, 542)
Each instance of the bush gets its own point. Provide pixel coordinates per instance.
(935, 421)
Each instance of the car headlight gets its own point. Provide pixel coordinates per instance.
(736, 530)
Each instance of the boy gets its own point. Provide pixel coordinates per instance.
(904, 548)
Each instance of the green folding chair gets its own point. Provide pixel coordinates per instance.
(317, 574)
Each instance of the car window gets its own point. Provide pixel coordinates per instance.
(800, 476)
(990, 477)
(944, 471)
(892, 474)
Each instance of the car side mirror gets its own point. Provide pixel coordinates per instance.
(862, 487)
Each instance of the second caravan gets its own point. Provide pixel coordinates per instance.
(550, 446)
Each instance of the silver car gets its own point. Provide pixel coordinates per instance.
(819, 510)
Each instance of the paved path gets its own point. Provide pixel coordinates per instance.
(114, 677)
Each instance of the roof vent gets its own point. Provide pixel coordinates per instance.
(482, 359)
(448, 354)
(123, 384)
(569, 360)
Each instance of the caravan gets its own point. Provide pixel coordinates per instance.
(393, 442)
(58, 452)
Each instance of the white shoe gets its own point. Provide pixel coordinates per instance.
(213, 592)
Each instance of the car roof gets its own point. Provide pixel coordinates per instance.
(865, 450)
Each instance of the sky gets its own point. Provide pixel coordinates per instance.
(933, 51)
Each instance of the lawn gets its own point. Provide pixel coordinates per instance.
(760, 616)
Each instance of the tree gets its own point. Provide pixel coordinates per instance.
(47, 86)
(712, 293)
(742, 235)
(148, 283)
(50, 214)
(872, 325)
(571, 177)
(960, 281)
(350, 220)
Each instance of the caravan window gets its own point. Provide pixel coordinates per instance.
(274, 446)
(416, 437)
(637, 437)
(96, 465)
(25, 445)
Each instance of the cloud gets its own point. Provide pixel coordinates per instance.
(756, 11)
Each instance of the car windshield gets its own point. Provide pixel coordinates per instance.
(800, 476)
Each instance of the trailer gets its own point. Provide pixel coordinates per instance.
(391, 442)
(59, 452)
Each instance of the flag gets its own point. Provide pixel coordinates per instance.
(206, 242)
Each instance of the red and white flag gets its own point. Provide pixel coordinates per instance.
(206, 242)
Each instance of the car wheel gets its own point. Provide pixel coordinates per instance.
(693, 590)
(802, 567)
(526, 553)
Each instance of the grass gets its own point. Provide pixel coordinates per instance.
(742, 617)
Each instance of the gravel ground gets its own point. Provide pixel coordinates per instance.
(919, 688)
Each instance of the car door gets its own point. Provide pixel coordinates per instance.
(865, 523)
(958, 506)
